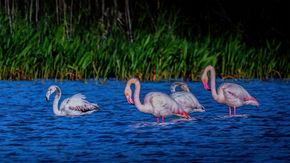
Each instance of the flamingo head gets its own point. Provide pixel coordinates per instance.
(50, 91)
(185, 88)
(204, 82)
(128, 94)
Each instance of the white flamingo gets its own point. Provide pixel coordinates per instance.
(73, 106)
(185, 98)
(155, 103)
(233, 95)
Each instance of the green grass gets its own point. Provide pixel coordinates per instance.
(28, 53)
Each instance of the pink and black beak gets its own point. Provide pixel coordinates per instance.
(47, 95)
(129, 99)
(206, 87)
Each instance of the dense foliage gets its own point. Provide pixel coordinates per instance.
(77, 45)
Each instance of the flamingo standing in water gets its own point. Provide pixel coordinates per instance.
(233, 95)
(73, 106)
(155, 103)
(185, 98)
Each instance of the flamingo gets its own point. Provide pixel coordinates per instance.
(155, 103)
(185, 98)
(73, 106)
(230, 94)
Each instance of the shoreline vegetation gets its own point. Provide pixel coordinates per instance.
(60, 46)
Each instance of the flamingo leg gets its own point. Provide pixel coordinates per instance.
(234, 110)
(157, 119)
(162, 119)
(230, 111)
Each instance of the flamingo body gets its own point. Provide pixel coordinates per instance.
(188, 101)
(186, 98)
(161, 105)
(234, 95)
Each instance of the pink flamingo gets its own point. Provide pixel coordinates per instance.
(233, 95)
(155, 103)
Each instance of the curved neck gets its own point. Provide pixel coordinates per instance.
(55, 102)
(137, 101)
(182, 85)
(212, 81)
(173, 87)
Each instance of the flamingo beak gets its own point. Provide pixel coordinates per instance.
(47, 97)
(206, 87)
(129, 99)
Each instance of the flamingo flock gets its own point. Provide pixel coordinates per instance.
(159, 104)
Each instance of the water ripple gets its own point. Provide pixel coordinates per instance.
(118, 132)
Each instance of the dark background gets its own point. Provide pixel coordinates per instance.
(256, 21)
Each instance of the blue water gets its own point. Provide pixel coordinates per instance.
(118, 132)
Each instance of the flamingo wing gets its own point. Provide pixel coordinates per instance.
(78, 102)
(236, 91)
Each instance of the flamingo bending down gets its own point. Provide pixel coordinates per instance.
(233, 95)
(155, 103)
(186, 98)
(73, 106)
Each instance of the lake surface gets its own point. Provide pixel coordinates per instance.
(118, 132)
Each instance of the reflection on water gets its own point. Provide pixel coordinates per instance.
(118, 132)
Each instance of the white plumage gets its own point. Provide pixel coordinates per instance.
(186, 98)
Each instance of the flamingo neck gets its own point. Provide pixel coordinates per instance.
(137, 101)
(212, 82)
(56, 111)
(176, 84)
(173, 87)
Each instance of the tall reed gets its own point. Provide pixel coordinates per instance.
(44, 51)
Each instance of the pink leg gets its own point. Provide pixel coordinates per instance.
(234, 110)
(157, 119)
(230, 111)
(162, 119)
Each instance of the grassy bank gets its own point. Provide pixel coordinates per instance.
(28, 52)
